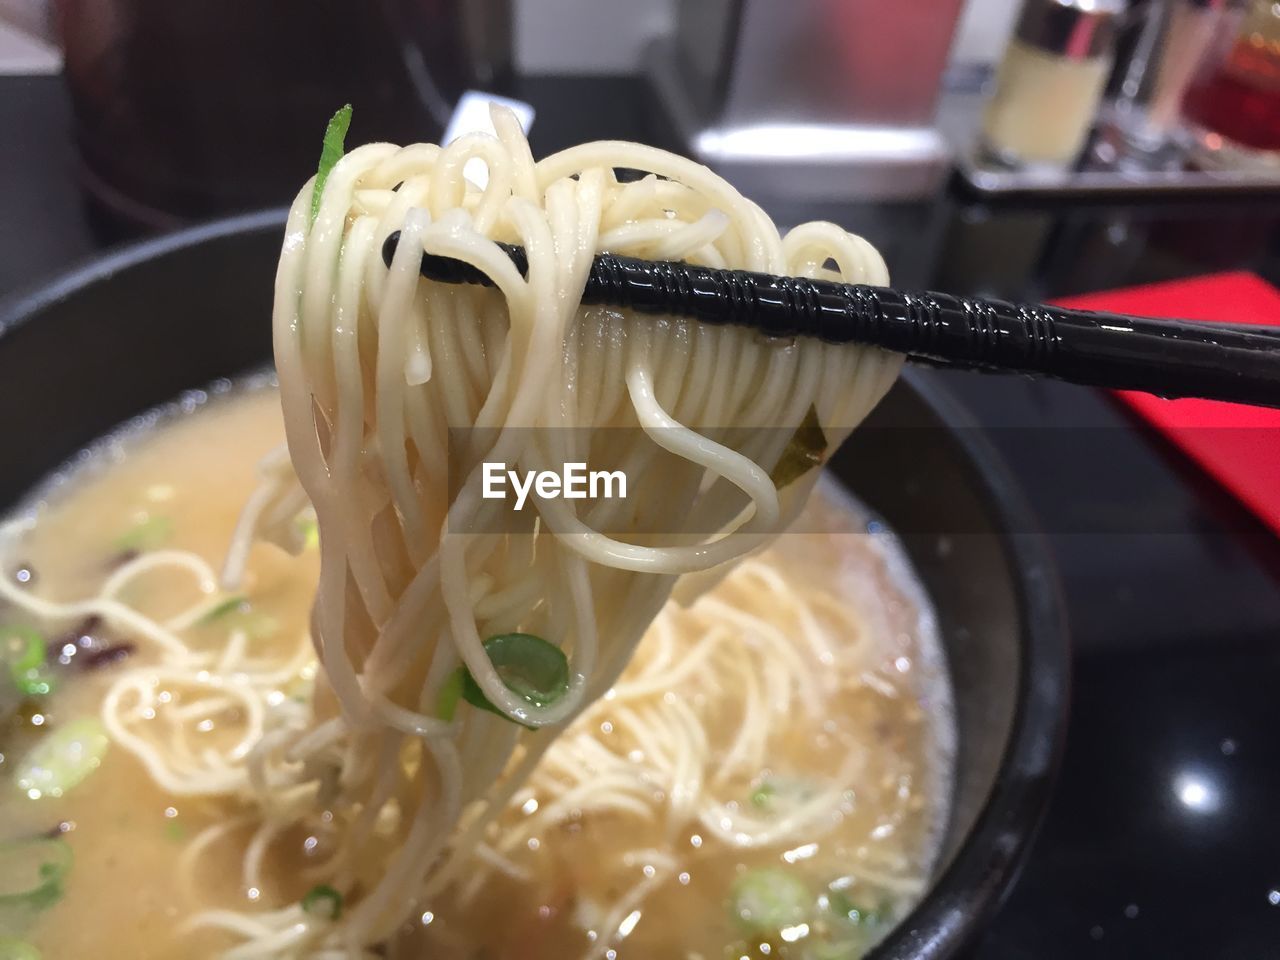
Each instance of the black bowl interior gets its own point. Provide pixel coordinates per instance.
(133, 330)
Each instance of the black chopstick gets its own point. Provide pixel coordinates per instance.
(1169, 358)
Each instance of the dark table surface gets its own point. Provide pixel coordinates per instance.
(1163, 838)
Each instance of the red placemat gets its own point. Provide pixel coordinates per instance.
(1238, 445)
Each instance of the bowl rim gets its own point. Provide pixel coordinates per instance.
(27, 301)
(970, 889)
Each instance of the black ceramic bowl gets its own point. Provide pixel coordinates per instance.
(133, 329)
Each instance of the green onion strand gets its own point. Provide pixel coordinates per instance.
(532, 668)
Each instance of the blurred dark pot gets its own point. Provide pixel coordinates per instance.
(188, 109)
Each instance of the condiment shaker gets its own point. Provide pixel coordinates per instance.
(1051, 80)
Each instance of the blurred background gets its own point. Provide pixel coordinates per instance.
(1141, 111)
(1027, 149)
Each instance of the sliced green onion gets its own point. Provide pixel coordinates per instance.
(767, 900)
(839, 903)
(146, 534)
(323, 901)
(780, 793)
(12, 948)
(450, 694)
(762, 796)
(26, 645)
(308, 531)
(530, 667)
(32, 871)
(302, 687)
(335, 138)
(237, 613)
(63, 758)
(26, 652)
(228, 606)
(36, 683)
(257, 626)
(804, 451)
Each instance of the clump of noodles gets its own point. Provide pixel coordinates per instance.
(395, 391)
(691, 739)
(377, 366)
(156, 708)
(698, 717)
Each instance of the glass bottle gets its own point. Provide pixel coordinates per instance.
(1232, 107)
(1050, 82)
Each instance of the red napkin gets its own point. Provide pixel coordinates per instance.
(1237, 445)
